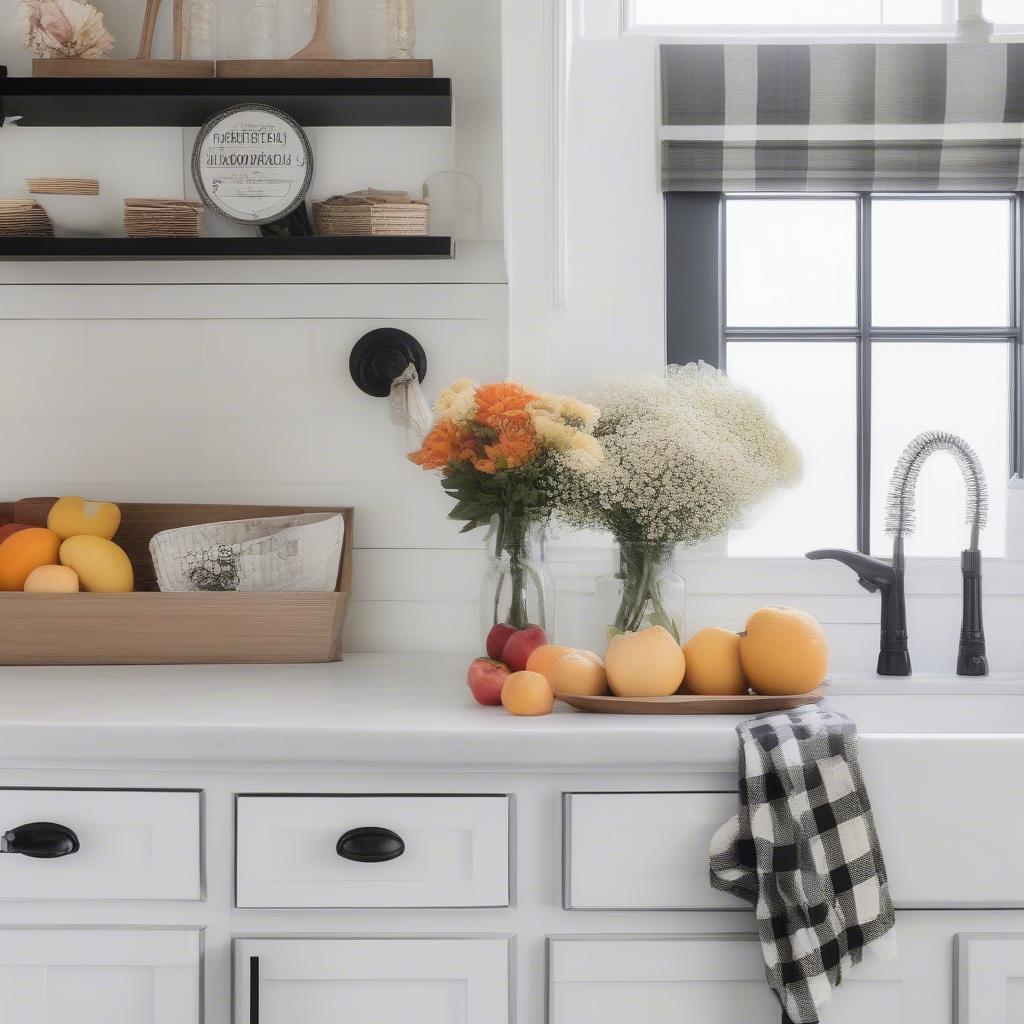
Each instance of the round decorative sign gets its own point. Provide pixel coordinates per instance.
(252, 164)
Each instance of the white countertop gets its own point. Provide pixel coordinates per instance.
(413, 710)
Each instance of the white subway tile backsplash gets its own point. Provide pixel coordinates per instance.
(143, 450)
(54, 351)
(240, 349)
(145, 348)
(237, 450)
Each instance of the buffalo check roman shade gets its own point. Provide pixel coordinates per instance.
(843, 118)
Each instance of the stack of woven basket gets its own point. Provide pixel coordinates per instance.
(372, 211)
(24, 217)
(162, 218)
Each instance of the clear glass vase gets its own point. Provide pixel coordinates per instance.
(517, 587)
(645, 591)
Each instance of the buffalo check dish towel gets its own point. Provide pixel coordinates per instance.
(803, 850)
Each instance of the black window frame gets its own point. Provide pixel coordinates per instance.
(695, 313)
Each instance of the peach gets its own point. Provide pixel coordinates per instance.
(521, 645)
(648, 663)
(713, 666)
(485, 678)
(579, 672)
(52, 579)
(527, 693)
(543, 658)
(499, 635)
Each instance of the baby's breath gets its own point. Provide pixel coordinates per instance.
(684, 456)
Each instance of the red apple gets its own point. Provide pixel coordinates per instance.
(486, 677)
(521, 645)
(8, 528)
(497, 638)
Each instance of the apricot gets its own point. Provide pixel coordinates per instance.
(578, 672)
(544, 657)
(527, 693)
(52, 579)
(784, 651)
(76, 517)
(713, 666)
(24, 551)
(648, 663)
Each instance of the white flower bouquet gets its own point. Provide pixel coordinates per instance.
(685, 456)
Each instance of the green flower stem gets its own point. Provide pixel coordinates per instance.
(639, 570)
(510, 539)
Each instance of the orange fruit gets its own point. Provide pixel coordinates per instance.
(527, 693)
(578, 672)
(784, 651)
(648, 663)
(543, 657)
(713, 666)
(24, 551)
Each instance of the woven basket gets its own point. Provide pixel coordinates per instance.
(372, 219)
(281, 554)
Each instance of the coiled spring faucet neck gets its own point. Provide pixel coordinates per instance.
(900, 510)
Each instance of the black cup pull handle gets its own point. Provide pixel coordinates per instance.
(41, 839)
(370, 845)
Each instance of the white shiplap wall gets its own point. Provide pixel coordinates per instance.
(229, 381)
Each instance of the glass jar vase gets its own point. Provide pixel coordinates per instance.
(516, 588)
(645, 591)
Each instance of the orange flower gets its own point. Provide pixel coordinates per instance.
(496, 400)
(439, 446)
(515, 445)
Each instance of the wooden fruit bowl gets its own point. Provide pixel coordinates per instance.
(151, 628)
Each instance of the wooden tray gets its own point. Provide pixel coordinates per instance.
(691, 704)
(150, 628)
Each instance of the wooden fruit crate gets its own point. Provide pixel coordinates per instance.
(150, 628)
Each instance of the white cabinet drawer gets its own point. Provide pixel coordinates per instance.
(133, 845)
(456, 851)
(642, 851)
(99, 976)
(324, 981)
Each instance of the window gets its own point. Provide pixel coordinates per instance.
(864, 320)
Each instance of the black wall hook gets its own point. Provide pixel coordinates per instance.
(382, 355)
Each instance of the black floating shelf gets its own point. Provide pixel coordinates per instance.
(320, 248)
(186, 102)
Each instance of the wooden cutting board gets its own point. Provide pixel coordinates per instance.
(691, 704)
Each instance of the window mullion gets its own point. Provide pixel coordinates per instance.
(864, 373)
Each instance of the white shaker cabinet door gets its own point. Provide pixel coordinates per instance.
(326, 981)
(720, 980)
(99, 976)
(990, 978)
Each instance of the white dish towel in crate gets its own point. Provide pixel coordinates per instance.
(284, 553)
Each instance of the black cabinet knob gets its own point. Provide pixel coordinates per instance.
(43, 839)
(370, 845)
